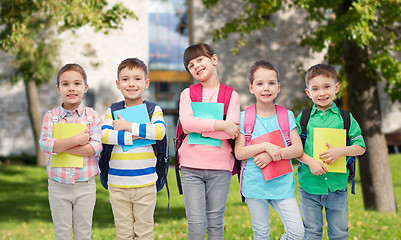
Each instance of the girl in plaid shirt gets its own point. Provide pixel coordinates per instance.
(72, 190)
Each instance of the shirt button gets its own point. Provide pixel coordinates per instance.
(325, 178)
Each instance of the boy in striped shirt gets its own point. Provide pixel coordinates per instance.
(132, 173)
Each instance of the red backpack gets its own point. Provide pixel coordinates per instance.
(195, 92)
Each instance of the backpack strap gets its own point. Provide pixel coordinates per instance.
(224, 96)
(249, 123)
(105, 154)
(351, 161)
(304, 123)
(55, 114)
(283, 122)
(195, 92)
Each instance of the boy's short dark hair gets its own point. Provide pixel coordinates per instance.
(194, 51)
(320, 69)
(262, 64)
(132, 63)
(71, 67)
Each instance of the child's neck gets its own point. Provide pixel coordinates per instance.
(70, 107)
(212, 82)
(265, 110)
(133, 102)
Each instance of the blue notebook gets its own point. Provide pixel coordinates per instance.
(207, 111)
(135, 114)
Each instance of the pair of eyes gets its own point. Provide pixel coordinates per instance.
(325, 87)
(127, 79)
(199, 59)
(74, 83)
(261, 83)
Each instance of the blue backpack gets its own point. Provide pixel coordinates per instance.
(347, 124)
(160, 148)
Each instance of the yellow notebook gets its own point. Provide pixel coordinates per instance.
(336, 138)
(63, 159)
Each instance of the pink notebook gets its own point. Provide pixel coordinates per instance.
(277, 168)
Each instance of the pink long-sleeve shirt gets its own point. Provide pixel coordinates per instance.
(203, 156)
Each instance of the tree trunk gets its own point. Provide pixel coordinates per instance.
(36, 120)
(377, 186)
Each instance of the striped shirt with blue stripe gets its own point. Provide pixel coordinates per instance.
(135, 167)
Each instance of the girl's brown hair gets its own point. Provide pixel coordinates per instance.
(194, 51)
(71, 67)
(262, 64)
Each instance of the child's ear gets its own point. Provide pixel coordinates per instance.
(118, 84)
(308, 93)
(147, 82)
(337, 87)
(215, 59)
(251, 89)
(58, 89)
(278, 87)
(86, 88)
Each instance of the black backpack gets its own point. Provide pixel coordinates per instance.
(347, 123)
(160, 148)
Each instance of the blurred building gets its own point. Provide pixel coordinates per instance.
(159, 36)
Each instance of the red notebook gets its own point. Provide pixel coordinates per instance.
(275, 168)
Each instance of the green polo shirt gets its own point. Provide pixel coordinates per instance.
(331, 118)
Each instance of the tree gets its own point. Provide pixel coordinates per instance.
(29, 35)
(361, 36)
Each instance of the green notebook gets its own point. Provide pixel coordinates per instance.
(207, 111)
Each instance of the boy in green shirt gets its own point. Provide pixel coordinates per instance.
(319, 188)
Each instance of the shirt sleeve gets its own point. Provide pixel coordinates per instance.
(111, 136)
(355, 133)
(233, 114)
(47, 140)
(96, 133)
(188, 121)
(154, 130)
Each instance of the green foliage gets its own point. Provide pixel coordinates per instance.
(372, 25)
(26, 213)
(30, 30)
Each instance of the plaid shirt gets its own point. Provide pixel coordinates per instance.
(79, 115)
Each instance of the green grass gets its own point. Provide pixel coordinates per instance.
(25, 212)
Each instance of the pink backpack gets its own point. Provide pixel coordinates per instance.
(250, 118)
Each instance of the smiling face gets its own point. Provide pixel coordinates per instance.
(132, 83)
(203, 68)
(71, 88)
(265, 85)
(322, 90)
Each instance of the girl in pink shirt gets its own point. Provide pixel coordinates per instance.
(206, 170)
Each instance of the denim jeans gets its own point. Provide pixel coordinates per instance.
(205, 196)
(288, 212)
(336, 206)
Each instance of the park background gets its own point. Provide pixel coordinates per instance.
(158, 34)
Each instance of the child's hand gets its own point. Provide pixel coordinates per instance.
(262, 159)
(135, 138)
(274, 152)
(185, 131)
(317, 168)
(232, 128)
(121, 124)
(332, 154)
(82, 138)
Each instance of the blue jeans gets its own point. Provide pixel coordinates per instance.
(288, 212)
(336, 206)
(205, 196)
